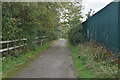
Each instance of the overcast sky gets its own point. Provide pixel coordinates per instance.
(95, 5)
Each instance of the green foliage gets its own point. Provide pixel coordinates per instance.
(100, 61)
(10, 64)
(85, 57)
(81, 70)
(76, 34)
(28, 19)
(73, 22)
(10, 28)
(70, 14)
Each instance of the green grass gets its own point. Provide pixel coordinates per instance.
(81, 70)
(11, 65)
(0, 69)
(99, 60)
(94, 61)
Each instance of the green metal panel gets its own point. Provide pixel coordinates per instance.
(119, 25)
(104, 27)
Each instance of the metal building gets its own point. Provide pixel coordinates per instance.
(104, 26)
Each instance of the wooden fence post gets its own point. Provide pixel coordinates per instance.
(8, 47)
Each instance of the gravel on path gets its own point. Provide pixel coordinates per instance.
(55, 62)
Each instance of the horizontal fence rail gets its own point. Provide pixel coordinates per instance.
(18, 46)
(13, 40)
(10, 41)
(6, 49)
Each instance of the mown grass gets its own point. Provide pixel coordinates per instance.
(81, 70)
(11, 65)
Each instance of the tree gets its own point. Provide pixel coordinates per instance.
(90, 13)
(29, 20)
(71, 22)
(70, 15)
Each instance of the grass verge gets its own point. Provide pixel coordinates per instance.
(101, 61)
(11, 65)
(94, 61)
(81, 70)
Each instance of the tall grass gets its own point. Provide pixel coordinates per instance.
(99, 60)
(94, 61)
(81, 70)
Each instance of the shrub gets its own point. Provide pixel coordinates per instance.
(76, 34)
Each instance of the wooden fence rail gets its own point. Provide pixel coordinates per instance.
(6, 49)
(12, 40)
(11, 48)
(15, 47)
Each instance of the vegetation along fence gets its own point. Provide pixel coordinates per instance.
(10, 45)
(104, 27)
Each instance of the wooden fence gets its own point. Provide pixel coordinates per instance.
(8, 43)
(17, 46)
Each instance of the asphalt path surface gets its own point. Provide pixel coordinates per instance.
(55, 62)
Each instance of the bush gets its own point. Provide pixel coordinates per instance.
(76, 34)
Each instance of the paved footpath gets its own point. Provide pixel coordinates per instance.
(55, 62)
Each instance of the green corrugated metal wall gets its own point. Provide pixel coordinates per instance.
(119, 25)
(104, 27)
